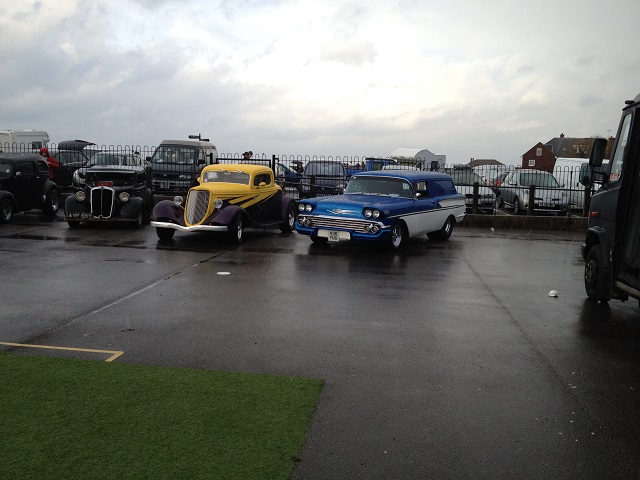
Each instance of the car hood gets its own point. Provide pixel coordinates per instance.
(468, 190)
(219, 188)
(354, 203)
(112, 168)
(171, 167)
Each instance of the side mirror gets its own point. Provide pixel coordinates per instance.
(597, 152)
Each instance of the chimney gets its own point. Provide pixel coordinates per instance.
(562, 135)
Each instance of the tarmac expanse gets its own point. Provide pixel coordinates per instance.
(445, 360)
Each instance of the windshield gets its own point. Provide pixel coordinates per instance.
(324, 168)
(538, 179)
(102, 158)
(465, 177)
(5, 170)
(394, 187)
(224, 176)
(174, 154)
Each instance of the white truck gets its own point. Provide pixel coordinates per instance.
(23, 140)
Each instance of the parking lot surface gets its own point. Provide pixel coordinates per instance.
(445, 360)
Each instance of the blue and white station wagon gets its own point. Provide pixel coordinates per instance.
(386, 206)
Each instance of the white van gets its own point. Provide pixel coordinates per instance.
(567, 172)
(23, 140)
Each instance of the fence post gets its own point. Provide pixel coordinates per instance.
(532, 196)
(587, 201)
(474, 202)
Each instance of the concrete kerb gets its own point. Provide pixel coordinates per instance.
(526, 222)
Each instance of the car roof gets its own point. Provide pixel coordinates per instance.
(187, 143)
(410, 175)
(249, 168)
(14, 157)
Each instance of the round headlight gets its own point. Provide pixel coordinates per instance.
(80, 196)
(376, 213)
(301, 207)
(217, 203)
(177, 200)
(123, 197)
(308, 208)
(367, 213)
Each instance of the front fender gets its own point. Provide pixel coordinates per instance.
(596, 235)
(167, 210)
(71, 205)
(225, 216)
(131, 208)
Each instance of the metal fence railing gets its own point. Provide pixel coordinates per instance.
(309, 175)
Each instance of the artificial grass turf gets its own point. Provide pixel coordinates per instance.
(64, 418)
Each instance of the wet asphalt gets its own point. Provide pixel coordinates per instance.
(445, 360)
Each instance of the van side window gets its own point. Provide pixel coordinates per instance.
(436, 189)
(621, 148)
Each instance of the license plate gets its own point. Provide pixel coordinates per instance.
(334, 236)
(80, 215)
(164, 184)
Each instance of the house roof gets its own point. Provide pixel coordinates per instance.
(565, 146)
(484, 161)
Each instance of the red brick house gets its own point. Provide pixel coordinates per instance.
(539, 157)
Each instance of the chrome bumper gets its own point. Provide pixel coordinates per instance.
(194, 228)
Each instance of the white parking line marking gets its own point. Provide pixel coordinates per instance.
(114, 353)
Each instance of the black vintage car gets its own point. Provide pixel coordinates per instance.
(115, 191)
(25, 185)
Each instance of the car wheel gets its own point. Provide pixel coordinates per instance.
(319, 240)
(399, 235)
(6, 211)
(139, 218)
(445, 232)
(516, 206)
(73, 224)
(165, 233)
(595, 279)
(234, 234)
(289, 224)
(52, 202)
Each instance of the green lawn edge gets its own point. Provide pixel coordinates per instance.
(67, 418)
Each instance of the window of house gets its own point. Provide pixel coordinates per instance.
(538, 152)
(532, 162)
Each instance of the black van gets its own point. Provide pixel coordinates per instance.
(176, 164)
(611, 249)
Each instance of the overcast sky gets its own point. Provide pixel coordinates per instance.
(326, 77)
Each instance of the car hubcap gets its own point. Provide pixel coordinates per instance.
(396, 236)
(239, 231)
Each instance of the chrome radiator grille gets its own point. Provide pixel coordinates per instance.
(197, 205)
(345, 223)
(102, 202)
